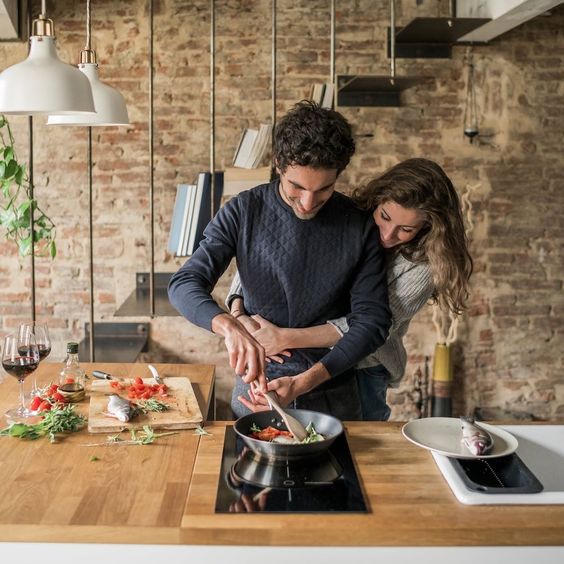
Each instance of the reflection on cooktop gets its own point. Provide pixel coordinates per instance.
(249, 483)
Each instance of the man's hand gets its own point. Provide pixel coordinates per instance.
(271, 337)
(246, 354)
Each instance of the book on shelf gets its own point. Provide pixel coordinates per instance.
(323, 94)
(316, 93)
(177, 217)
(237, 180)
(192, 212)
(186, 219)
(261, 144)
(253, 146)
(328, 96)
(243, 152)
(203, 214)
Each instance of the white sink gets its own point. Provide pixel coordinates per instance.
(541, 448)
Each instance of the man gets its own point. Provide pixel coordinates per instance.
(305, 254)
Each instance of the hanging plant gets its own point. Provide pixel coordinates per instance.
(17, 203)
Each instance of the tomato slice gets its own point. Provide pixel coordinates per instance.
(270, 433)
(35, 403)
(138, 380)
(44, 406)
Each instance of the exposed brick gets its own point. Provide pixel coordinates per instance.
(516, 309)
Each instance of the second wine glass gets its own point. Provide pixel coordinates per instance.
(20, 358)
(40, 332)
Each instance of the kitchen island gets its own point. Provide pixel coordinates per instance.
(164, 494)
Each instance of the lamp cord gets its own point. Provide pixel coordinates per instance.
(88, 25)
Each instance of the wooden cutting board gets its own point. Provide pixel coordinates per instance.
(183, 413)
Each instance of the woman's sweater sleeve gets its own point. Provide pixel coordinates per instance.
(235, 290)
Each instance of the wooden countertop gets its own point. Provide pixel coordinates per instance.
(132, 494)
(410, 505)
(165, 493)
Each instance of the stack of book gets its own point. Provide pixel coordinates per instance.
(323, 94)
(252, 146)
(192, 212)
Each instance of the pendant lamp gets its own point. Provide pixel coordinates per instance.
(108, 102)
(43, 84)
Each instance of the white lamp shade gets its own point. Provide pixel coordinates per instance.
(43, 84)
(109, 103)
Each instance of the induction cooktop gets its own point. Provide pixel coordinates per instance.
(249, 483)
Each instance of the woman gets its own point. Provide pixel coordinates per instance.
(421, 228)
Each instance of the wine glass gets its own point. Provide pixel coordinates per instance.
(41, 334)
(20, 357)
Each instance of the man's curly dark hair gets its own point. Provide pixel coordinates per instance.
(309, 135)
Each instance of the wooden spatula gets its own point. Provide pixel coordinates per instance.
(292, 424)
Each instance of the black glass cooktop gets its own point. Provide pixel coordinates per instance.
(328, 483)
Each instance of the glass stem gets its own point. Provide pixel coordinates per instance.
(22, 396)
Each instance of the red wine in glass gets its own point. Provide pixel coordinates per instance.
(21, 366)
(44, 351)
(40, 332)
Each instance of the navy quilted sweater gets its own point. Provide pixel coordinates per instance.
(295, 273)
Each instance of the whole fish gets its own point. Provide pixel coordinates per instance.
(119, 408)
(477, 440)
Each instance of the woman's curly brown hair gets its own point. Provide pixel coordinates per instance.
(422, 184)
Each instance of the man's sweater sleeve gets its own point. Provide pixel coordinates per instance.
(190, 288)
(370, 318)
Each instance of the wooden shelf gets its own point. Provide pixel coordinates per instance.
(137, 304)
(373, 90)
(432, 38)
(115, 342)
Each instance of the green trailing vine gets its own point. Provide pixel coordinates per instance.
(17, 203)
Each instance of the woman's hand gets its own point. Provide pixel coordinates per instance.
(255, 402)
(271, 337)
(285, 388)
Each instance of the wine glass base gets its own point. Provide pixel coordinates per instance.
(19, 415)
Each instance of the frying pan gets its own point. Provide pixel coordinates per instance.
(327, 425)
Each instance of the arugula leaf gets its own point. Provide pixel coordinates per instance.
(152, 404)
(55, 421)
(199, 430)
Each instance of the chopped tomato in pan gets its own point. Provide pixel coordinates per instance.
(270, 433)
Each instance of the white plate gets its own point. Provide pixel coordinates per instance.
(444, 434)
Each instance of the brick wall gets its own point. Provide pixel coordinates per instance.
(508, 356)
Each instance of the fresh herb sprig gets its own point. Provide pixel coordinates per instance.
(312, 435)
(56, 421)
(152, 404)
(199, 430)
(145, 437)
(255, 428)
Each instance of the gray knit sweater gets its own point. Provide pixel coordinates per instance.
(410, 286)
